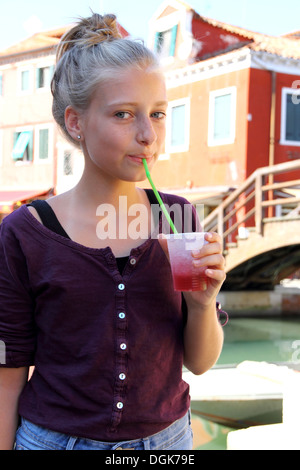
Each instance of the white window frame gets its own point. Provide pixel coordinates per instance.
(43, 65)
(37, 129)
(284, 92)
(211, 141)
(186, 145)
(21, 69)
(170, 53)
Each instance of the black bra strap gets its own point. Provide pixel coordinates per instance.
(48, 217)
(151, 196)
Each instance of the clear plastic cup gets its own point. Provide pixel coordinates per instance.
(186, 277)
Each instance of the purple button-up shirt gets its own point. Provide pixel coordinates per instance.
(107, 348)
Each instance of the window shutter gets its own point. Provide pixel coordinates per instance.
(173, 40)
(37, 78)
(52, 70)
(21, 142)
(157, 41)
(25, 80)
(43, 143)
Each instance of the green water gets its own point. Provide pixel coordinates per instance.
(275, 340)
(261, 339)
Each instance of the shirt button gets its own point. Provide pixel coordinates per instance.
(120, 405)
(133, 261)
(121, 315)
(123, 346)
(122, 376)
(121, 287)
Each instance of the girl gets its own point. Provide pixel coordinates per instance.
(97, 317)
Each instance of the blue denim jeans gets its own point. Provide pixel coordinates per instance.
(178, 436)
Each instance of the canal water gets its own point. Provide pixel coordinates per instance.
(274, 340)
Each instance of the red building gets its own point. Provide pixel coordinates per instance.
(233, 102)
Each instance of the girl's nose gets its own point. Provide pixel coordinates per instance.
(146, 134)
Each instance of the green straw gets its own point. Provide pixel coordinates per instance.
(158, 197)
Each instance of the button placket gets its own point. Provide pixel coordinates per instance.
(121, 341)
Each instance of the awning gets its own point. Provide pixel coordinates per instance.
(21, 144)
(8, 199)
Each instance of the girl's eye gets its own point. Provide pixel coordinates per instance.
(159, 115)
(122, 115)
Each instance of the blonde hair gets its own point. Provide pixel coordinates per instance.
(88, 54)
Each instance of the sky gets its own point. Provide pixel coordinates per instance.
(19, 19)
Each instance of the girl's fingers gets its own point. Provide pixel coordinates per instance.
(213, 237)
(216, 274)
(214, 246)
(216, 260)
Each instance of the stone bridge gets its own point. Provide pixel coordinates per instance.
(260, 227)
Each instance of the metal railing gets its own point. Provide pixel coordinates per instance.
(255, 201)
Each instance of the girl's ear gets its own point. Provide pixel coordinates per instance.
(72, 122)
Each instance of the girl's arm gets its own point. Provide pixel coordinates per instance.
(12, 382)
(203, 335)
(203, 339)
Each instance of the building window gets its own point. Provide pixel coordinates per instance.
(43, 77)
(43, 145)
(178, 126)
(165, 42)
(23, 146)
(25, 80)
(222, 117)
(290, 117)
(25, 84)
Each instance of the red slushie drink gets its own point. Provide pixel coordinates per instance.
(185, 276)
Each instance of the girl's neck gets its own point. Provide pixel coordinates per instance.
(93, 190)
(80, 213)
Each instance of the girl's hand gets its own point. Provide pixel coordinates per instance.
(210, 256)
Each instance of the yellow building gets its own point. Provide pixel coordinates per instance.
(35, 160)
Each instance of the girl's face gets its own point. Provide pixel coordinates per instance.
(124, 123)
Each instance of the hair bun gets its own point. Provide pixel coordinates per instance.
(88, 32)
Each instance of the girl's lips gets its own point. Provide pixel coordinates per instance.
(139, 158)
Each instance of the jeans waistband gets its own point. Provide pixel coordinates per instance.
(33, 436)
